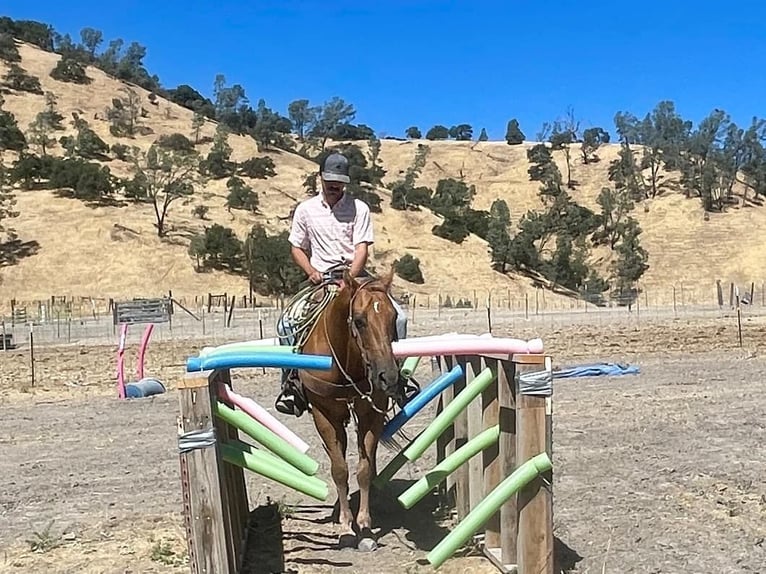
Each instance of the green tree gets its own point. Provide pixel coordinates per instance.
(40, 132)
(408, 268)
(257, 168)
(302, 116)
(125, 113)
(162, 177)
(7, 204)
(217, 163)
(197, 250)
(452, 196)
(68, 69)
(329, 116)
(11, 137)
(198, 122)
(461, 132)
(86, 144)
(17, 79)
(9, 51)
(241, 196)
(483, 135)
(413, 133)
(565, 132)
(626, 175)
(91, 39)
(268, 263)
(615, 207)
(513, 133)
(632, 259)
(592, 139)
(498, 235)
(438, 132)
(271, 129)
(223, 249)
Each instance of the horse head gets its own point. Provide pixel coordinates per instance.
(372, 324)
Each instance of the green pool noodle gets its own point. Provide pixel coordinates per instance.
(265, 437)
(449, 465)
(254, 461)
(409, 366)
(390, 470)
(449, 414)
(264, 454)
(487, 507)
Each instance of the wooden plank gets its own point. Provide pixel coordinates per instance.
(462, 493)
(201, 471)
(235, 503)
(490, 457)
(475, 426)
(445, 444)
(506, 391)
(535, 500)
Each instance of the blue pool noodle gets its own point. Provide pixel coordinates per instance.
(421, 400)
(244, 359)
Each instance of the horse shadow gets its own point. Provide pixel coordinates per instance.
(420, 528)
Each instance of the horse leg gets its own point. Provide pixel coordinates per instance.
(330, 424)
(369, 428)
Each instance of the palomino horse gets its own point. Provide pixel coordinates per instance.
(356, 328)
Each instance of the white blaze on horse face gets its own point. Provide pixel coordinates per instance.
(376, 306)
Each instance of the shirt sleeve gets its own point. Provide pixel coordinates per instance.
(362, 224)
(299, 236)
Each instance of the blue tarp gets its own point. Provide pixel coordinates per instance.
(596, 370)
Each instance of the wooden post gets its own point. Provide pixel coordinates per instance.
(202, 470)
(462, 478)
(535, 500)
(500, 461)
(445, 444)
(472, 366)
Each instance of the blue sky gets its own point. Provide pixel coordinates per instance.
(423, 62)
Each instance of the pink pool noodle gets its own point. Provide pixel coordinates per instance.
(464, 346)
(262, 416)
(142, 350)
(121, 361)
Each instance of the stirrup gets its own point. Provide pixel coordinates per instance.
(289, 405)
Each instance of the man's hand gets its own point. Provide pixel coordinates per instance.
(315, 277)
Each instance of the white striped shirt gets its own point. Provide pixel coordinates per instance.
(330, 234)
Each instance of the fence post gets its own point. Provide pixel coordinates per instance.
(201, 473)
(534, 436)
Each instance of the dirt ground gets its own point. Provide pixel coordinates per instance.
(661, 472)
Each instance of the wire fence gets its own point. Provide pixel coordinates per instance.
(211, 322)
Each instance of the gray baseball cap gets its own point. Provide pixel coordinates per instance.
(335, 168)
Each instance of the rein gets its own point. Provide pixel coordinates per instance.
(355, 335)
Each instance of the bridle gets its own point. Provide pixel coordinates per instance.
(356, 336)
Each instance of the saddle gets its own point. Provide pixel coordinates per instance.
(299, 316)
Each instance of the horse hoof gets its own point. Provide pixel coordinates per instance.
(367, 545)
(347, 541)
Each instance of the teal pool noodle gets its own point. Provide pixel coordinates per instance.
(449, 414)
(245, 350)
(416, 404)
(245, 359)
(265, 437)
(487, 507)
(255, 461)
(449, 465)
(409, 366)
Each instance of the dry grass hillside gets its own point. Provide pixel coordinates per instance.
(114, 251)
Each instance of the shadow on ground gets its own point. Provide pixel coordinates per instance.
(420, 528)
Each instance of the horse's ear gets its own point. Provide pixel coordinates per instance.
(388, 278)
(349, 281)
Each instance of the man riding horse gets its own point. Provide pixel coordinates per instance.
(331, 233)
(352, 317)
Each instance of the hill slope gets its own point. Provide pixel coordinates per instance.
(114, 251)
